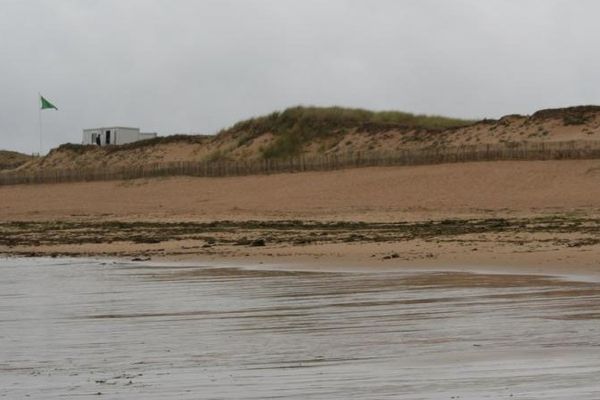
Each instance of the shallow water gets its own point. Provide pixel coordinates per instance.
(72, 329)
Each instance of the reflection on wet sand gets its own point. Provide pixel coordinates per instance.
(74, 329)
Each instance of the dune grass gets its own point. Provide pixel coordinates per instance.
(187, 139)
(297, 126)
(12, 159)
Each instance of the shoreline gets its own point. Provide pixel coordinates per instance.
(457, 254)
(558, 244)
(340, 265)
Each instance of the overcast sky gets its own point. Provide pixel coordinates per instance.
(178, 66)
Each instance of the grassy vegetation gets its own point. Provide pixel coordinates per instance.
(12, 159)
(74, 148)
(578, 115)
(189, 139)
(575, 119)
(297, 126)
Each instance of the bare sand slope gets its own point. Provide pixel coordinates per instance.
(369, 194)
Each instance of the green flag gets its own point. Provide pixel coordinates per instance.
(46, 104)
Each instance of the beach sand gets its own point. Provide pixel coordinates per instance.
(535, 216)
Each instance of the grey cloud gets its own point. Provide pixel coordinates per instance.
(198, 66)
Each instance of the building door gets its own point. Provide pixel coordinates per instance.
(107, 137)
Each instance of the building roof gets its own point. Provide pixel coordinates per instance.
(111, 127)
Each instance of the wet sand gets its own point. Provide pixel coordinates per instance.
(80, 328)
(558, 244)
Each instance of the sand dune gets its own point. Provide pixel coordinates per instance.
(332, 131)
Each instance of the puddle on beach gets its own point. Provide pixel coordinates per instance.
(76, 328)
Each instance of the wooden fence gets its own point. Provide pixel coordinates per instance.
(491, 152)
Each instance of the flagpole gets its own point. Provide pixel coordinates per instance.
(40, 118)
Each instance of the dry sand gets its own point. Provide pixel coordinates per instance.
(524, 190)
(363, 194)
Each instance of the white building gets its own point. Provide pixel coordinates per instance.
(114, 135)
